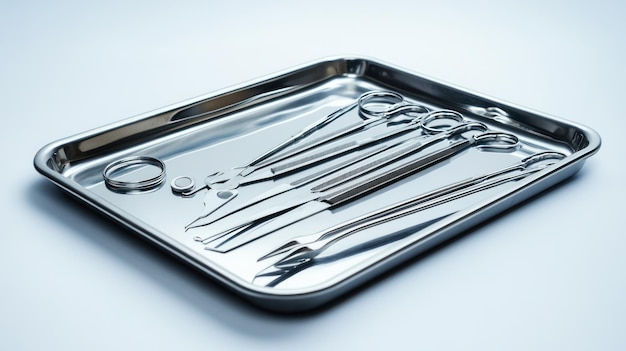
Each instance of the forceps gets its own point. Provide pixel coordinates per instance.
(304, 248)
(453, 124)
(307, 206)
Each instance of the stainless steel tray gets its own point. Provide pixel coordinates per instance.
(228, 128)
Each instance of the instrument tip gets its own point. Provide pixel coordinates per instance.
(279, 250)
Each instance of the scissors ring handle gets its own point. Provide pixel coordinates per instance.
(496, 141)
(536, 160)
(409, 110)
(435, 122)
(377, 104)
(133, 186)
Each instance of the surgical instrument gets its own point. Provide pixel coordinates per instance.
(253, 175)
(375, 107)
(272, 275)
(220, 177)
(428, 124)
(308, 206)
(303, 248)
(391, 99)
(284, 187)
(374, 117)
(220, 185)
(454, 125)
(224, 192)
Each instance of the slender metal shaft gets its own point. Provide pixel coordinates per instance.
(429, 199)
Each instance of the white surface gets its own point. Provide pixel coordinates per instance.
(549, 275)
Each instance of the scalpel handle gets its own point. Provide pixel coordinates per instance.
(372, 184)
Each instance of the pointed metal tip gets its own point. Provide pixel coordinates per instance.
(268, 277)
(190, 226)
(214, 249)
(270, 271)
(292, 263)
(279, 250)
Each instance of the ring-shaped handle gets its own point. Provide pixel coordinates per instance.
(136, 185)
(389, 98)
(428, 121)
(408, 110)
(496, 141)
(536, 159)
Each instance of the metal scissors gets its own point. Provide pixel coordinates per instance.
(304, 248)
(289, 212)
(432, 123)
(375, 106)
(442, 124)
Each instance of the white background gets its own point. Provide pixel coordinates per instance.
(549, 275)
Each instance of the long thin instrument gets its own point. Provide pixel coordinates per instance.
(263, 171)
(408, 147)
(303, 248)
(305, 255)
(308, 206)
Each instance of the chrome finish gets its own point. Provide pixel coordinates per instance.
(183, 184)
(376, 107)
(302, 249)
(454, 126)
(133, 186)
(311, 103)
(306, 207)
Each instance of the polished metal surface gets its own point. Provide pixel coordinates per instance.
(272, 120)
(112, 174)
